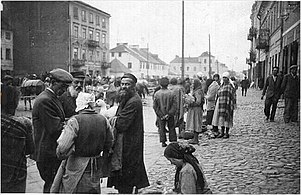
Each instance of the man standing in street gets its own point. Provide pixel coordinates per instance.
(165, 105)
(129, 122)
(272, 91)
(245, 83)
(48, 119)
(68, 98)
(291, 88)
(82, 143)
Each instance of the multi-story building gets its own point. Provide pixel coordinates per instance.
(193, 65)
(7, 64)
(71, 35)
(274, 36)
(142, 63)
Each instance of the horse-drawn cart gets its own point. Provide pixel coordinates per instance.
(31, 89)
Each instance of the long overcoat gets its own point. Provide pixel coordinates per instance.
(130, 122)
(48, 119)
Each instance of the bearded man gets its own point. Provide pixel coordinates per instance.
(68, 98)
(129, 122)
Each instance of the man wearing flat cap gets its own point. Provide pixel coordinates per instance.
(290, 87)
(48, 119)
(129, 122)
(9, 96)
(68, 98)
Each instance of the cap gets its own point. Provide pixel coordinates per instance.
(7, 77)
(293, 66)
(130, 76)
(199, 74)
(78, 74)
(61, 75)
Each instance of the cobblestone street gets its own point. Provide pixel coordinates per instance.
(259, 157)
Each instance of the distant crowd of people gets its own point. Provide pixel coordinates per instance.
(83, 130)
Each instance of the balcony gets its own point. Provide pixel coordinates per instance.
(105, 65)
(92, 43)
(250, 38)
(248, 61)
(78, 62)
(252, 56)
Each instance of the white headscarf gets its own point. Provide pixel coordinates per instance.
(83, 100)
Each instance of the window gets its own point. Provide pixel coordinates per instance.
(84, 17)
(205, 69)
(84, 33)
(205, 61)
(187, 68)
(8, 54)
(194, 68)
(84, 54)
(97, 55)
(104, 39)
(76, 31)
(103, 23)
(97, 36)
(90, 55)
(91, 18)
(75, 53)
(91, 34)
(75, 13)
(97, 21)
(119, 54)
(130, 65)
(112, 54)
(104, 56)
(1, 54)
(7, 36)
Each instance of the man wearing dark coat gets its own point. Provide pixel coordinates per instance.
(244, 86)
(48, 119)
(271, 89)
(291, 90)
(129, 122)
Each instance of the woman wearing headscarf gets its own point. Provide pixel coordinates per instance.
(225, 104)
(194, 119)
(189, 178)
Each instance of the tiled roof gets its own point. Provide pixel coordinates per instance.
(118, 67)
(119, 48)
(143, 52)
(186, 60)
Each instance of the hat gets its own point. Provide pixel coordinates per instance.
(61, 75)
(78, 74)
(129, 76)
(199, 74)
(83, 100)
(226, 74)
(164, 81)
(293, 66)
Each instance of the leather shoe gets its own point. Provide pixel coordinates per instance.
(164, 144)
(226, 136)
(272, 120)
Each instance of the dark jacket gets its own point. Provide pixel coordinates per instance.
(272, 88)
(165, 103)
(245, 83)
(290, 86)
(48, 118)
(130, 122)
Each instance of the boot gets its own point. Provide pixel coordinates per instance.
(215, 131)
(195, 139)
(222, 133)
(226, 136)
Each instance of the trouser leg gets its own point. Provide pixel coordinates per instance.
(47, 170)
(267, 107)
(127, 190)
(162, 130)
(287, 109)
(274, 107)
(171, 128)
(209, 117)
(294, 110)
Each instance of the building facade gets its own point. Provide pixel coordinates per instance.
(142, 63)
(193, 65)
(7, 63)
(274, 36)
(71, 35)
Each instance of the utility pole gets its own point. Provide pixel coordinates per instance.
(209, 59)
(182, 40)
(147, 65)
